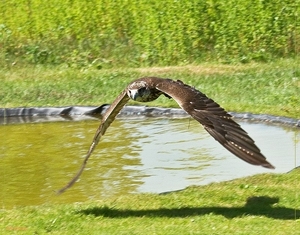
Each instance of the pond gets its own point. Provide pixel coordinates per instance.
(136, 155)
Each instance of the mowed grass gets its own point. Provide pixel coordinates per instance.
(261, 204)
(271, 88)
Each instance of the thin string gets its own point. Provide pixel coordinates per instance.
(296, 74)
(295, 163)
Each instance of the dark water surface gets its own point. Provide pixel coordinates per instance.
(135, 155)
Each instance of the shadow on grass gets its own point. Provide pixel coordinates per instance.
(257, 206)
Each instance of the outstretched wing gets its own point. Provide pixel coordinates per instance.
(107, 119)
(216, 121)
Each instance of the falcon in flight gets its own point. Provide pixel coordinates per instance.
(215, 120)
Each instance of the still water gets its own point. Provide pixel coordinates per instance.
(135, 155)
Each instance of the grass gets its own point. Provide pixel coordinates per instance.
(271, 88)
(261, 204)
(146, 33)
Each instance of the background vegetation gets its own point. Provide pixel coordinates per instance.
(142, 33)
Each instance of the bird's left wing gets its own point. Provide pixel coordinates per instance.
(216, 121)
(108, 117)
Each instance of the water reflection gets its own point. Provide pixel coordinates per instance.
(135, 155)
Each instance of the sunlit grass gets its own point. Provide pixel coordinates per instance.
(146, 33)
(271, 88)
(261, 204)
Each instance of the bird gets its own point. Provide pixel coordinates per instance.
(215, 120)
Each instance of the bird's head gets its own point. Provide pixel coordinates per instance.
(139, 91)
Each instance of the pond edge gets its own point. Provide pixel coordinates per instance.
(78, 113)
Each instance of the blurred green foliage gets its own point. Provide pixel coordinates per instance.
(135, 33)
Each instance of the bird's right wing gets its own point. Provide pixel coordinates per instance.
(108, 117)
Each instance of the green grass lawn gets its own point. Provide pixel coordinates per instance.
(271, 88)
(261, 204)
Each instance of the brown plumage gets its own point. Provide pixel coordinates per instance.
(216, 121)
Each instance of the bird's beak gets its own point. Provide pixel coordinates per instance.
(134, 94)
